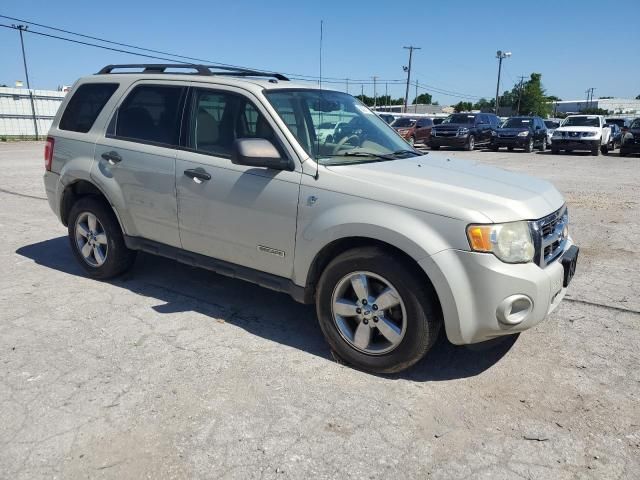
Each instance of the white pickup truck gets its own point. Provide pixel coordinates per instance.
(582, 132)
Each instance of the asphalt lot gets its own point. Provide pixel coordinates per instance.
(175, 372)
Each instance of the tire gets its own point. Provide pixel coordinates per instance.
(543, 146)
(495, 148)
(416, 316)
(471, 143)
(529, 147)
(109, 256)
(622, 153)
(595, 151)
(435, 147)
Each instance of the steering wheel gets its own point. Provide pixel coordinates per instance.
(344, 140)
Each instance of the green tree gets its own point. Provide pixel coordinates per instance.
(533, 100)
(424, 98)
(595, 111)
(485, 105)
(553, 98)
(462, 107)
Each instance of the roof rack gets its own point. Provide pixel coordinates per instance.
(198, 70)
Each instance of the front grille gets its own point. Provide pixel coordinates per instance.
(506, 135)
(550, 236)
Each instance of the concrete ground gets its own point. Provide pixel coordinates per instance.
(175, 372)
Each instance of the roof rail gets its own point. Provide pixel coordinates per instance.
(199, 70)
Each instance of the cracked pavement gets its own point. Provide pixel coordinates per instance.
(176, 372)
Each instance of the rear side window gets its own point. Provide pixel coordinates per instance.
(150, 114)
(85, 105)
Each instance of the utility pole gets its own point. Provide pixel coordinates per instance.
(20, 29)
(522, 77)
(386, 93)
(411, 48)
(415, 103)
(362, 92)
(347, 85)
(375, 93)
(589, 93)
(500, 55)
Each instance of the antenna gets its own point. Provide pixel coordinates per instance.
(317, 142)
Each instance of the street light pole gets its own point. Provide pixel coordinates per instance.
(20, 28)
(375, 93)
(500, 55)
(408, 70)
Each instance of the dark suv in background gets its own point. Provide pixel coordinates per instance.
(521, 132)
(631, 138)
(464, 130)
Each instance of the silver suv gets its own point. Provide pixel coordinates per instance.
(232, 170)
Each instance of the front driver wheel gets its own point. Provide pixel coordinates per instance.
(471, 143)
(375, 311)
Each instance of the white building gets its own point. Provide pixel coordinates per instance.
(16, 116)
(614, 106)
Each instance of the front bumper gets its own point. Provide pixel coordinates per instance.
(472, 288)
(574, 144)
(448, 141)
(514, 142)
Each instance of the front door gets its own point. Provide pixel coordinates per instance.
(137, 158)
(239, 214)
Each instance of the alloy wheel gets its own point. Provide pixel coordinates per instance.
(91, 239)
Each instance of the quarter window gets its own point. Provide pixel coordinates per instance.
(85, 105)
(151, 114)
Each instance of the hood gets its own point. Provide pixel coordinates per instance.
(451, 187)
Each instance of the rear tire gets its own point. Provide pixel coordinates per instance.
(368, 336)
(96, 239)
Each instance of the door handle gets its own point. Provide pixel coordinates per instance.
(112, 157)
(197, 174)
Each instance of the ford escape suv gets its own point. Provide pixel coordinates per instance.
(224, 169)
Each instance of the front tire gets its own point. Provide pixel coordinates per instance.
(529, 147)
(543, 147)
(96, 239)
(595, 150)
(375, 311)
(471, 143)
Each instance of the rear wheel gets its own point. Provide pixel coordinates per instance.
(471, 143)
(96, 239)
(376, 313)
(543, 147)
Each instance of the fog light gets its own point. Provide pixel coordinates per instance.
(514, 309)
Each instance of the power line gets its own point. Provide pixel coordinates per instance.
(173, 58)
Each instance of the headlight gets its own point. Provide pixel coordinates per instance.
(524, 134)
(463, 131)
(510, 242)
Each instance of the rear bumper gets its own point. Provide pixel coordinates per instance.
(575, 144)
(51, 185)
(473, 288)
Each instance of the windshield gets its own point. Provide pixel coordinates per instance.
(460, 118)
(403, 122)
(551, 124)
(359, 134)
(581, 122)
(616, 121)
(517, 122)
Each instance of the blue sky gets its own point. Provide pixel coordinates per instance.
(574, 44)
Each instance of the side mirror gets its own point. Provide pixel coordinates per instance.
(258, 152)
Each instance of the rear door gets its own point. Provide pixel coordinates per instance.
(136, 159)
(484, 128)
(239, 214)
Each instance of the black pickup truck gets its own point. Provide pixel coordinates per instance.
(464, 130)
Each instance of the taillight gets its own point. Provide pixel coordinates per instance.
(48, 153)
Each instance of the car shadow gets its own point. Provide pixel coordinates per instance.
(268, 314)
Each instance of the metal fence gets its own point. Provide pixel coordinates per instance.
(16, 116)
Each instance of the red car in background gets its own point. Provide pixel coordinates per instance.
(413, 130)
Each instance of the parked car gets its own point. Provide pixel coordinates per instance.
(616, 135)
(466, 130)
(224, 172)
(438, 121)
(520, 132)
(631, 139)
(621, 122)
(582, 132)
(551, 127)
(413, 130)
(387, 117)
